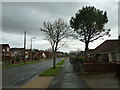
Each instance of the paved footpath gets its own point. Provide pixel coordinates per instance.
(68, 78)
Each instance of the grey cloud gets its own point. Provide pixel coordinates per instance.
(29, 16)
(17, 16)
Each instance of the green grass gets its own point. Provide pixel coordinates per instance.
(61, 62)
(51, 72)
(19, 64)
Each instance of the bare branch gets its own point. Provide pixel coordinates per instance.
(62, 45)
(55, 31)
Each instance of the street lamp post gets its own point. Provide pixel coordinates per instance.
(31, 47)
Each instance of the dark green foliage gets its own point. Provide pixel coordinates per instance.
(89, 24)
(77, 63)
(17, 58)
(77, 60)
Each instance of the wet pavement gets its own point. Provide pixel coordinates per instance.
(68, 78)
(102, 80)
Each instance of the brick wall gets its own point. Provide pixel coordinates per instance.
(98, 67)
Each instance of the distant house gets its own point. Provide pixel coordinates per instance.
(6, 55)
(60, 54)
(66, 54)
(39, 54)
(108, 51)
(17, 54)
(46, 54)
(27, 54)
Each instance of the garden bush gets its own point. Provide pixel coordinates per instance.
(79, 60)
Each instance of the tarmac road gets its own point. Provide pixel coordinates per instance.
(14, 77)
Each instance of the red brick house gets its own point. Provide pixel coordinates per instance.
(60, 54)
(27, 54)
(17, 54)
(108, 51)
(39, 54)
(6, 55)
(48, 54)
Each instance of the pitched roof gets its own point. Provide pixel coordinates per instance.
(4, 45)
(17, 49)
(107, 46)
(90, 51)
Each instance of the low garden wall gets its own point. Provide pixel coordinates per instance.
(98, 67)
(95, 67)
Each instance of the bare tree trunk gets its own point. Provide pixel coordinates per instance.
(54, 59)
(86, 49)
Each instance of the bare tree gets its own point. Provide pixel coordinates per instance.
(55, 32)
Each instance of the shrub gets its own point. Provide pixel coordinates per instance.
(78, 60)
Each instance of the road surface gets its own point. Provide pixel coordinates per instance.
(14, 77)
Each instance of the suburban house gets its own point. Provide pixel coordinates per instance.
(32, 55)
(108, 51)
(48, 54)
(27, 54)
(40, 54)
(6, 55)
(60, 54)
(36, 54)
(17, 54)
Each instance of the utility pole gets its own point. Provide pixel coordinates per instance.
(24, 44)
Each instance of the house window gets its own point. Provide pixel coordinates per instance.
(7, 49)
(114, 58)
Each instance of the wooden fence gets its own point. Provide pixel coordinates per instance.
(99, 67)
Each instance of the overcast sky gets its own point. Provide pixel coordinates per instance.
(20, 16)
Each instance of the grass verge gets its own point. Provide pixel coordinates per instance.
(61, 62)
(51, 72)
(19, 64)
